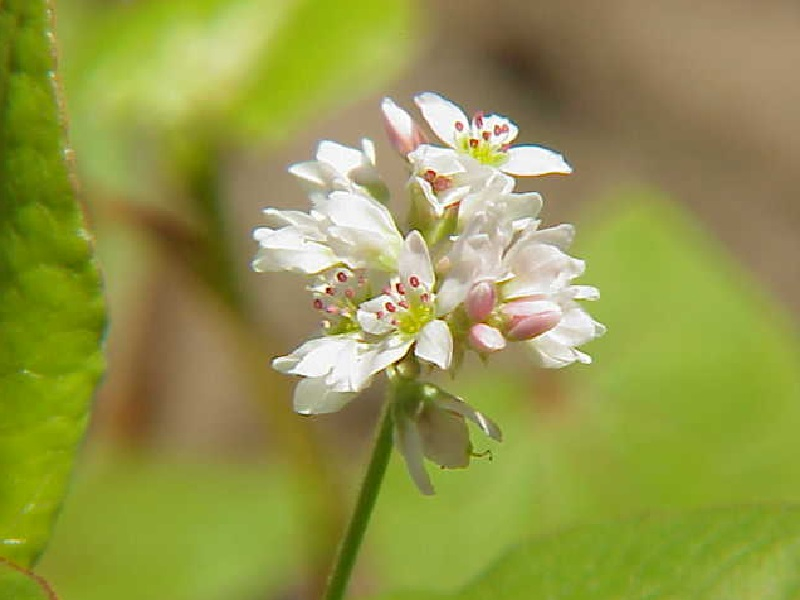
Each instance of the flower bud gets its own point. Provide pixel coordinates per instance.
(404, 134)
(526, 318)
(480, 301)
(485, 338)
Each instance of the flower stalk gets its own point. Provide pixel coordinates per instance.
(367, 495)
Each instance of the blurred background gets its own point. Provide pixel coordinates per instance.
(682, 123)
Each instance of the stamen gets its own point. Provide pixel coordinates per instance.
(473, 143)
(390, 307)
(401, 289)
(318, 303)
(329, 291)
(459, 126)
(478, 119)
(403, 304)
(505, 127)
(350, 293)
(486, 135)
(332, 310)
(341, 277)
(498, 130)
(380, 314)
(414, 281)
(505, 147)
(425, 297)
(429, 175)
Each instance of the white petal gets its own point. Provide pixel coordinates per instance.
(386, 353)
(367, 315)
(540, 269)
(409, 442)
(415, 260)
(551, 353)
(489, 121)
(289, 250)
(282, 218)
(359, 212)
(312, 396)
(584, 292)
(534, 160)
(311, 171)
(314, 358)
(342, 158)
(441, 115)
(560, 236)
(444, 161)
(368, 148)
(435, 344)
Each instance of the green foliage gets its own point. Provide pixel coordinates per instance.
(18, 584)
(735, 554)
(228, 70)
(693, 401)
(176, 530)
(51, 308)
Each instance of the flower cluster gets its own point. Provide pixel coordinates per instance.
(472, 270)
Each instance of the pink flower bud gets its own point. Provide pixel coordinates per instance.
(404, 134)
(480, 301)
(526, 318)
(485, 338)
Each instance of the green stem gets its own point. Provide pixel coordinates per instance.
(348, 550)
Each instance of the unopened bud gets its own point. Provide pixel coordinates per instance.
(485, 338)
(404, 133)
(480, 301)
(526, 319)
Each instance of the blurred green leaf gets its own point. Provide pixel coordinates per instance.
(693, 400)
(51, 308)
(176, 530)
(18, 584)
(737, 554)
(229, 70)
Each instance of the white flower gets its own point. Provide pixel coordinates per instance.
(342, 228)
(340, 168)
(487, 139)
(429, 423)
(497, 196)
(518, 285)
(441, 176)
(404, 314)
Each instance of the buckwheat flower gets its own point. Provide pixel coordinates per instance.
(497, 196)
(440, 175)
(405, 314)
(342, 228)
(518, 286)
(341, 363)
(487, 139)
(430, 423)
(341, 168)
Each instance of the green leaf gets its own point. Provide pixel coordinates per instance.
(736, 554)
(51, 308)
(133, 529)
(693, 401)
(18, 584)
